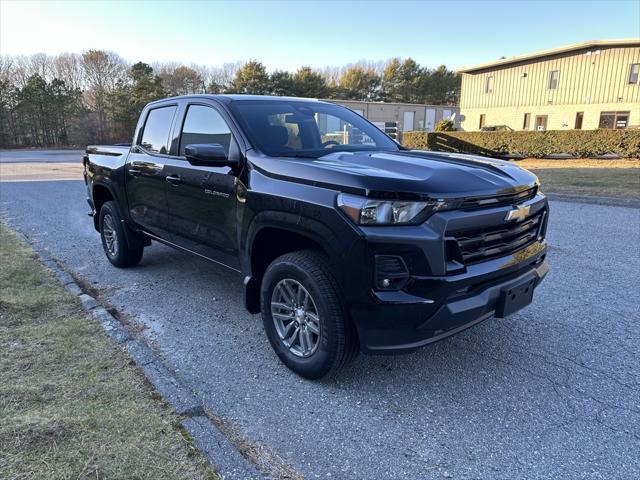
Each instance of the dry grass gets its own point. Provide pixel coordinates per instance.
(72, 404)
(608, 178)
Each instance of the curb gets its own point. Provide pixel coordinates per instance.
(225, 459)
(594, 200)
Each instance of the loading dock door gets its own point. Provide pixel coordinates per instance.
(407, 121)
(430, 119)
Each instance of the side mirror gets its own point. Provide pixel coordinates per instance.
(207, 154)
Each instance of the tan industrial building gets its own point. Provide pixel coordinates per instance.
(582, 86)
(407, 116)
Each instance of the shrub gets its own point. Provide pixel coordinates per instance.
(444, 126)
(578, 143)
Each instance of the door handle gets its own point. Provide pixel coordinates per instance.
(135, 172)
(173, 179)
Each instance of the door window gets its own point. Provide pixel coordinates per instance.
(527, 120)
(482, 120)
(579, 118)
(204, 124)
(155, 136)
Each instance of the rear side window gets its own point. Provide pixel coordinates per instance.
(204, 125)
(155, 136)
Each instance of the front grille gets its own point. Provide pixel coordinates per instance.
(499, 200)
(480, 244)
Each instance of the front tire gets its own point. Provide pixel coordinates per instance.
(304, 316)
(113, 238)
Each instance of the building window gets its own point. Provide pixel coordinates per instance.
(579, 118)
(634, 73)
(553, 79)
(488, 86)
(481, 124)
(614, 120)
(527, 121)
(541, 123)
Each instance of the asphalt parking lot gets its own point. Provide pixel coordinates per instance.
(552, 392)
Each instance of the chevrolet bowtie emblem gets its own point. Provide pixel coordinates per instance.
(518, 213)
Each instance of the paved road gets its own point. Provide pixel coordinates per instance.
(40, 156)
(553, 392)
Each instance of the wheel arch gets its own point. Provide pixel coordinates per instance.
(100, 194)
(274, 235)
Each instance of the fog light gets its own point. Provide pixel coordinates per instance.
(391, 272)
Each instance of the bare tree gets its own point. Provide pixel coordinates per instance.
(221, 77)
(182, 81)
(68, 68)
(7, 65)
(102, 71)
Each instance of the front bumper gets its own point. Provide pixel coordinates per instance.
(436, 302)
(400, 326)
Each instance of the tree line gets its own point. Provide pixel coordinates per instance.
(96, 96)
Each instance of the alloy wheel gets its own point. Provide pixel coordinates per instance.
(296, 317)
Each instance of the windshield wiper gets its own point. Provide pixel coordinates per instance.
(298, 155)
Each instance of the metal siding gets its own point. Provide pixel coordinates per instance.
(583, 80)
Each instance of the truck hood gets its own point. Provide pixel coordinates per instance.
(435, 174)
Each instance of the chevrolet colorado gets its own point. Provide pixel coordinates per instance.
(346, 241)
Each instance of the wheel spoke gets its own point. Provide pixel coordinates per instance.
(293, 338)
(307, 339)
(288, 294)
(287, 330)
(281, 305)
(299, 295)
(313, 328)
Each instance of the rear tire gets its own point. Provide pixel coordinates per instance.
(299, 293)
(114, 241)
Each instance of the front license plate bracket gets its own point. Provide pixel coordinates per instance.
(515, 297)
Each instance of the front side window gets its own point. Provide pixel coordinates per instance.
(482, 121)
(488, 86)
(307, 129)
(634, 73)
(553, 79)
(204, 124)
(526, 121)
(155, 136)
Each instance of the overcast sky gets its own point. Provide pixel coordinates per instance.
(289, 34)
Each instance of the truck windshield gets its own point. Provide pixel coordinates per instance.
(307, 129)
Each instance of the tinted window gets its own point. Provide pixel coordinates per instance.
(488, 86)
(204, 125)
(307, 129)
(634, 73)
(553, 79)
(155, 136)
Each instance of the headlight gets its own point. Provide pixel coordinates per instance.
(365, 211)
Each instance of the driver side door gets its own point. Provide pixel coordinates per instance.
(202, 199)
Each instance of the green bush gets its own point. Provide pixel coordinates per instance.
(578, 143)
(444, 126)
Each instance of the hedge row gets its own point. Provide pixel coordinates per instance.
(578, 143)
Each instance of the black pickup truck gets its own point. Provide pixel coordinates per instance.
(345, 240)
